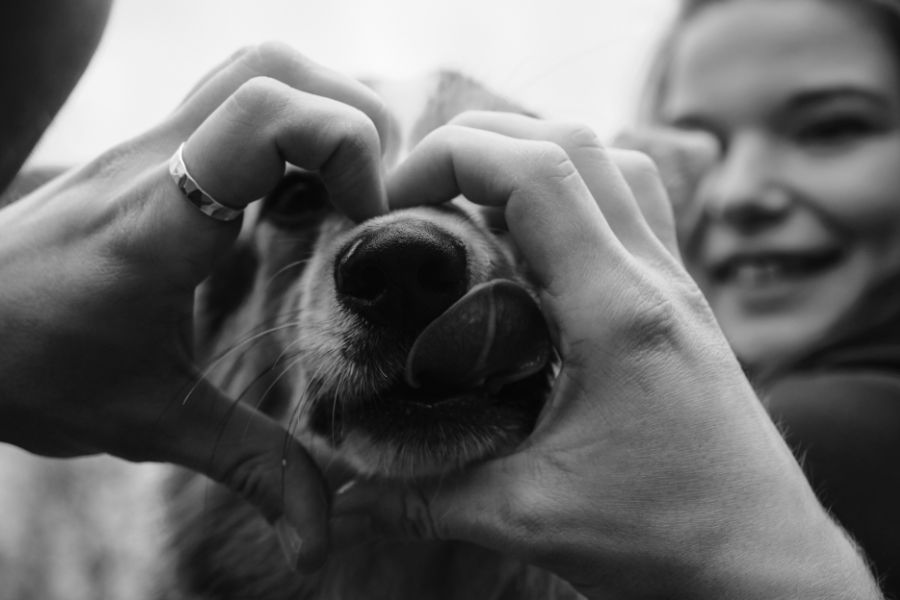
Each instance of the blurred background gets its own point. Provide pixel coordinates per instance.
(577, 60)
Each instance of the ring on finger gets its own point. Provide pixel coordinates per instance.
(195, 194)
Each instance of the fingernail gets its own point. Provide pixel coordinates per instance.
(290, 542)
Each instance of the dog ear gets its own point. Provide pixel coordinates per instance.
(422, 104)
(455, 93)
(298, 203)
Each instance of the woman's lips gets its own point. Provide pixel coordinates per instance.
(754, 269)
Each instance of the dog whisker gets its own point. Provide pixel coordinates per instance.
(288, 267)
(332, 369)
(231, 351)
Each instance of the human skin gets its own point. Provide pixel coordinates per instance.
(800, 215)
(100, 266)
(639, 480)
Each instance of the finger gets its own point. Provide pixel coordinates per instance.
(490, 505)
(549, 209)
(651, 197)
(459, 507)
(215, 71)
(257, 458)
(280, 62)
(238, 153)
(595, 165)
(682, 156)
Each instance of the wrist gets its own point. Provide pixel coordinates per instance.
(829, 568)
(788, 560)
(782, 544)
(767, 540)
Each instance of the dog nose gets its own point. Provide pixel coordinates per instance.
(402, 275)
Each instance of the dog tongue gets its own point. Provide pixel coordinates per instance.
(493, 335)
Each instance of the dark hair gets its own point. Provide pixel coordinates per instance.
(883, 15)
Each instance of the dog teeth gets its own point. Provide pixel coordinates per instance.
(496, 333)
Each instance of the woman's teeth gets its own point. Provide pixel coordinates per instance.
(770, 268)
(756, 273)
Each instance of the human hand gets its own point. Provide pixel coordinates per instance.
(653, 470)
(683, 158)
(99, 270)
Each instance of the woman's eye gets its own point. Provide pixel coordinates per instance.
(299, 197)
(838, 131)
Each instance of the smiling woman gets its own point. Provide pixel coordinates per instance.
(794, 233)
(802, 213)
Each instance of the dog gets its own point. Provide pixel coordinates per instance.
(401, 348)
(368, 341)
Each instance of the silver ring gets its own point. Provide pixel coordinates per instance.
(195, 194)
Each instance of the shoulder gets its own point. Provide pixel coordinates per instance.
(844, 427)
(847, 413)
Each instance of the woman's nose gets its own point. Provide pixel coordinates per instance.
(745, 190)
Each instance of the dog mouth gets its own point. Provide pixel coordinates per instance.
(404, 413)
(475, 381)
(493, 335)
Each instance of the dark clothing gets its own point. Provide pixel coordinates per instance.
(839, 410)
(844, 426)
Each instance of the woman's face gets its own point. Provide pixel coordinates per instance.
(802, 213)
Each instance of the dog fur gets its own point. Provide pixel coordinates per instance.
(275, 328)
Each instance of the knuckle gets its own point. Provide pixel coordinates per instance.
(576, 136)
(655, 320)
(445, 136)
(653, 326)
(355, 132)
(280, 61)
(468, 118)
(274, 57)
(380, 116)
(636, 164)
(257, 95)
(548, 161)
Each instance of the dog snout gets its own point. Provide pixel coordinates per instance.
(401, 275)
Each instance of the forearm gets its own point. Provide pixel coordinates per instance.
(821, 564)
(778, 541)
(748, 526)
(815, 565)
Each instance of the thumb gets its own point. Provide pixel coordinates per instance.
(259, 459)
(457, 507)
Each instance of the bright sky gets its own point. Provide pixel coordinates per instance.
(579, 60)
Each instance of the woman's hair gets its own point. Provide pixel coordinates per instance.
(883, 15)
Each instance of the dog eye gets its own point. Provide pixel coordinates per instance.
(300, 197)
(494, 219)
